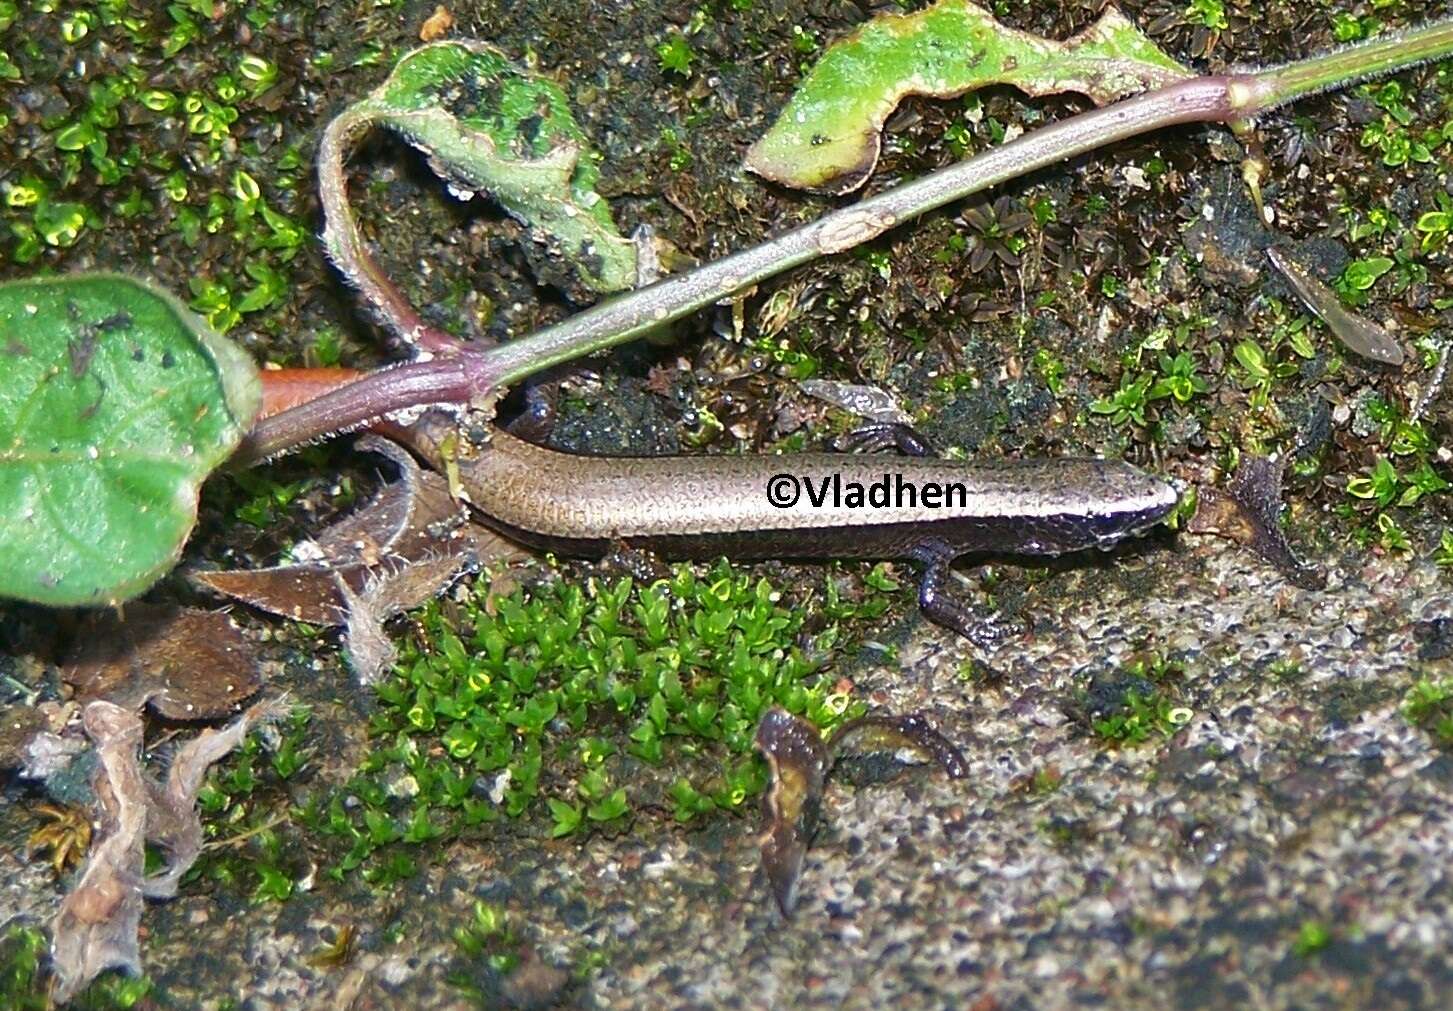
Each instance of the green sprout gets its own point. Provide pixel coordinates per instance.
(1351, 28)
(1443, 553)
(1312, 937)
(1383, 484)
(1208, 13)
(1128, 403)
(675, 55)
(1429, 707)
(1178, 379)
(1360, 275)
(1433, 226)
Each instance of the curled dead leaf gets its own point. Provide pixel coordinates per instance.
(97, 926)
(800, 760)
(1248, 512)
(402, 549)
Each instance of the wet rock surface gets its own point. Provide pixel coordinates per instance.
(1284, 847)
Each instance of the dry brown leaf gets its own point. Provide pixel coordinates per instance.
(800, 760)
(436, 25)
(96, 927)
(1248, 512)
(187, 664)
(172, 821)
(414, 538)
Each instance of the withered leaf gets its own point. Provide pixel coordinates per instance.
(414, 537)
(1357, 333)
(172, 822)
(97, 926)
(1248, 512)
(799, 761)
(186, 664)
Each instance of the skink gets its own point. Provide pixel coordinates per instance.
(794, 506)
(686, 507)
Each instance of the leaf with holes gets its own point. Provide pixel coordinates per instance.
(116, 402)
(489, 126)
(828, 136)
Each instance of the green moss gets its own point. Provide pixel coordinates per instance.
(24, 986)
(244, 806)
(1140, 717)
(582, 707)
(1139, 703)
(1429, 707)
(98, 181)
(675, 55)
(1312, 937)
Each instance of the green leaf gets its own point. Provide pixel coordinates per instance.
(567, 817)
(1363, 274)
(489, 126)
(828, 136)
(115, 404)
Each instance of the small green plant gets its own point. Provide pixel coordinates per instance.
(489, 943)
(675, 55)
(1141, 717)
(553, 691)
(1178, 379)
(1351, 28)
(1143, 705)
(1383, 484)
(1313, 936)
(1360, 275)
(1208, 14)
(244, 812)
(1443, 553)
(1429, 707)
(1129, 402)
(24, 985)
(1433, 226)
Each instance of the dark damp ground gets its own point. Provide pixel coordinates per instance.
(1193, 784)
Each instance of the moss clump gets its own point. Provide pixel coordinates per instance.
(1138, 703)
(589, 704)
(1429, 707)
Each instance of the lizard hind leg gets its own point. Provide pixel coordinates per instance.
(943, 608)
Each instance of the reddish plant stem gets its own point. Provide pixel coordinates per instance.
(462, 379)
(283, 389)
(472, 376)
(345, 244)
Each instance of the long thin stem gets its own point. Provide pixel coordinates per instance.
(1277, 86)
(636, 313)
(344, 242)
(1231, 98)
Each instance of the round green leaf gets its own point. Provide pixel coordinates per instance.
(115, 404)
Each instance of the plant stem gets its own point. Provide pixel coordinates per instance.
(470, 376)
(633, 314)
(1276, 86)
(459, 379)
(349, 252)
